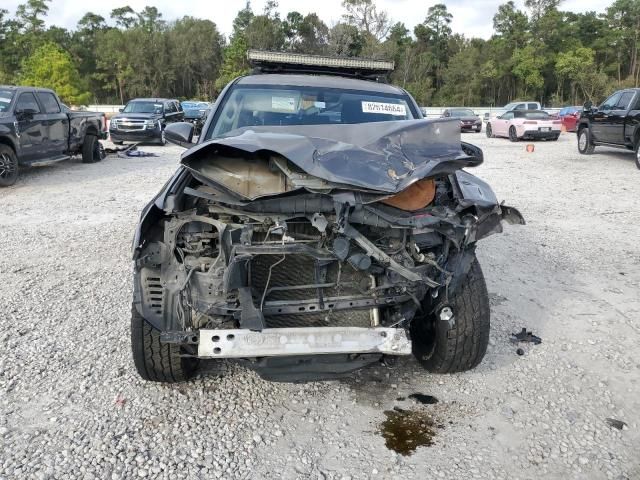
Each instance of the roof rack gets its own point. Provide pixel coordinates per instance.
(282, 62)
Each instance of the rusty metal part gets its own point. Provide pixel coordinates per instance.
(418, 195)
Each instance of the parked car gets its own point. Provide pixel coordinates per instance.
(318, 225)
(526, 105)
(469, 120)
(615, 123)
(569, 117)
(196, 113)
(144, 120)
(524, 124)
(36, 130)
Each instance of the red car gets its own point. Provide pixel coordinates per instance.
(569, 117)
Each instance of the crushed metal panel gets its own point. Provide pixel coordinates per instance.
(251, 178)
(272, 342)
(381, 156)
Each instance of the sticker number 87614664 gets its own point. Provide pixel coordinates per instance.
(387, 108)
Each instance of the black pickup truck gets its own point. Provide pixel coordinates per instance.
(144, 120)
(615, 123)
(37, 129)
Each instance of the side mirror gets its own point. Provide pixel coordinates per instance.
(121, 110)
(180, 133)
(587, 105)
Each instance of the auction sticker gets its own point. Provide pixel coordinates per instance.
(387, 108)
(283, 104)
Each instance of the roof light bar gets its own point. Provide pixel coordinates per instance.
(259, 56)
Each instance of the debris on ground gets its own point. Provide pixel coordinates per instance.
(134, 152)
(424, 399)
(520, 351)
(525, 336)
(619, 424)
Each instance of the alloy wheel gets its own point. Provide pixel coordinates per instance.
(8, 167)
(582, 141)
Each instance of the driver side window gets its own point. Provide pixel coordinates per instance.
(26, 101)
(611, 102)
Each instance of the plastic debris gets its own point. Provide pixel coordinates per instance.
(525, 336)
(619, 424)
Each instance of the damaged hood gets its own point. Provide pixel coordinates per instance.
(381, 156)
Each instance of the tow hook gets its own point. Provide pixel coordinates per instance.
(446, 315)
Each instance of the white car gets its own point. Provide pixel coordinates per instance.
(524, 124)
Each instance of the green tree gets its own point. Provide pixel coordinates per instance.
(308, 34)
(527, 65)
(30, 15)
(196, 53)
(364, 15)
(51, 67)
(124, 17)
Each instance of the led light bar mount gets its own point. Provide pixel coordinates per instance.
(283, 62)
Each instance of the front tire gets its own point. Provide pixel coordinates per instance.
(156, 361)
(488, 131)
(163, 138)
(9, 169)
(513, 136)
(638, 154)
(459, 345)
(585, 146)
(91, 149)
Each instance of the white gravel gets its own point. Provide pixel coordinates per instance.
(71, 405)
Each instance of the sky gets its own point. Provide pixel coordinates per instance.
(472, 18)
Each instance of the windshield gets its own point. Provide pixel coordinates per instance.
(464, 112)
(5, 99)
(266, 106)
(143, 107)
(194, 105)
(533, 115)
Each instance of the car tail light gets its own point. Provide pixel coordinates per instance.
(104, 123)
(530, 122)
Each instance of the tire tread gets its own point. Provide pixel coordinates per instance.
(464, 346)
(156, 361)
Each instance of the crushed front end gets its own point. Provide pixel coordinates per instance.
(299, 254)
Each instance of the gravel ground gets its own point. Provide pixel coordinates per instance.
(71, 405)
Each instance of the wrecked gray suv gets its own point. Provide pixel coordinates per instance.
(320, 224)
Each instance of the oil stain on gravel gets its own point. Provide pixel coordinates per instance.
(406, 430)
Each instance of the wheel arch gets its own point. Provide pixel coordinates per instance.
(9, 143)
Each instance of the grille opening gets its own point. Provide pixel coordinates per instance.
(300, 270)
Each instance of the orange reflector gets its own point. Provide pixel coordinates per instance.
(531, 147)
(418, 195)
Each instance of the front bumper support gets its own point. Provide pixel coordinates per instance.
(274, 342)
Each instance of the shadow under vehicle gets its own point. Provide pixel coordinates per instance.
(319, 225)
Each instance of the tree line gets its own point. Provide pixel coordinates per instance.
(540, 52)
